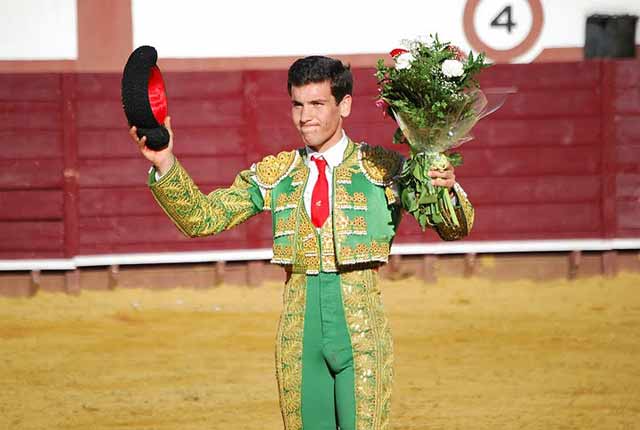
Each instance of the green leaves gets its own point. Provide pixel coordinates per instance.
(429, 205)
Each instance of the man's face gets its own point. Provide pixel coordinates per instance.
(316, 114)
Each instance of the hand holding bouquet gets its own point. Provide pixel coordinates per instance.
(431, 92)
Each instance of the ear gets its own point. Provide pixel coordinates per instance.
(345, 106)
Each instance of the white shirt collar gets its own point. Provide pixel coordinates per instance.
(333, 155)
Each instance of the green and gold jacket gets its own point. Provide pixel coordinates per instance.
(364, 218)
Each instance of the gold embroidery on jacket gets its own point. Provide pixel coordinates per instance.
(196, 214)
(285, 226)
(357, 201)
(272, 169)
(381, 166)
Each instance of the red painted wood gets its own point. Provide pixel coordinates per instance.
(560, 160)
(529, 161)
(627, 100)
(627, 73)
(30, 87)
(189, 141)
(628, 129)
(31, 205)
(133, 172)
(608, 150)
(20, 115)
(537, 189)
(31, 236)
(70, 173)
(25, 174)
(30, 144)
(542, 76)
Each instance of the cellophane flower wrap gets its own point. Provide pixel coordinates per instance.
(431, 92)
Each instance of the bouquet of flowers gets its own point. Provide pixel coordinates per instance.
(431, 92)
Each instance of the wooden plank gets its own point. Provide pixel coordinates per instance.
(94, 114)
(133, 172)
(270, 83)
(627, 158)
(627, 73)
(530, 161)
(575, 258)
(31, 205)
(20, 115)
(142, 229)
(31, 236)
(538, 218)
(628, 186)
(627, 129)
(21, 174)
(537, 189)
(204, 85)
(626, 100)
(365, 84)
(542, 75)
(70, 172)
(27, 254)
(180, 85)
(627, 215)
(531, 131)
(547, 104)
(132, 200)
(30, 86)
(189, 141)
(608, 151)
(26, 144)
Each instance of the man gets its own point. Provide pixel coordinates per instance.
(335, 211)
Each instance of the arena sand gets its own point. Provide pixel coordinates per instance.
(470, 354)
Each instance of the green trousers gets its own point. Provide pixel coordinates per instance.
(334, 353)
(328, 391)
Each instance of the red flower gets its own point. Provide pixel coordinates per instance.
(394, 53)
(459, 55)
(383, 105)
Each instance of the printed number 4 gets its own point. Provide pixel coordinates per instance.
(504, 19)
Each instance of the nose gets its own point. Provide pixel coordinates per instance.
(305, 114)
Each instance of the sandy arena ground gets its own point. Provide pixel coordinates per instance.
(470, 354)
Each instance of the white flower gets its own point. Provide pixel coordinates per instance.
(403, 61)
(452, 68)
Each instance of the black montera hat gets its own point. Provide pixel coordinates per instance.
(144, 98)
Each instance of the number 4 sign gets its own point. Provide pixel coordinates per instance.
(503, 29)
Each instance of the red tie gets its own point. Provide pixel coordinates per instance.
(320, 195)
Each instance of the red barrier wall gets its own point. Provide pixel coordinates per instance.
(560, 160)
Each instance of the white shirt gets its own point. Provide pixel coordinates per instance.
(333, 156)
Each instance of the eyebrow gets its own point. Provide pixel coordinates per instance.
(298, 102)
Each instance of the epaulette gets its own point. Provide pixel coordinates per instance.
(380, 165)
(272, 169)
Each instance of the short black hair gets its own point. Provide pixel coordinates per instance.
(315, 69)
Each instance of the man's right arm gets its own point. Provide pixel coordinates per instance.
(194, 213)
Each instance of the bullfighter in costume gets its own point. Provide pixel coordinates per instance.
(335, 210)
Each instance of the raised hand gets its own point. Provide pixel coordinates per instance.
(163, 160)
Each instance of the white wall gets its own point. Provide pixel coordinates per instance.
(38, 30)
(200, 28)
(47, 29)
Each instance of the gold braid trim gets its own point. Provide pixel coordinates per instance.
(381, 166)
(465, 213)
(196, 214)
(372, 349)
(289, 352)
(272, 169)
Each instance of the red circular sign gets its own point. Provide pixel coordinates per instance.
(503, 55)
